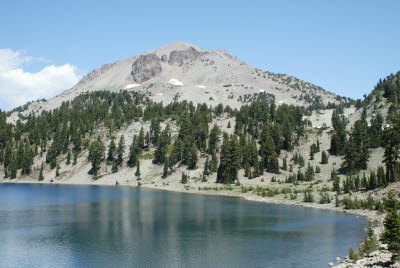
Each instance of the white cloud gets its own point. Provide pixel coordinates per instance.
(18, 86)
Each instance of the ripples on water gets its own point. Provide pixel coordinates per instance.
(100, 226)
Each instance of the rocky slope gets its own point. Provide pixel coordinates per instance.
(182, 71)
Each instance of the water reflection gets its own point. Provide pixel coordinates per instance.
(124, 227)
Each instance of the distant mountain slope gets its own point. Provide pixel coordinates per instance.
(182, 71)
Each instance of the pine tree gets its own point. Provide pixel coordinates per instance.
(133, 152)
(246, 169)
(75, 157)
(336, 182)
(273, 164)
(229, 161)
(114, 168)
(165, 170)
(301, 161)
(309, 175)
(7, 156)
(161, 147)
(111, 151)
(147, 140)
(375, 131)
(13, 169)
(184, 178)
(223, 161)
(58, 171)
(324, 158)
(176, 154)
(267, 147)
(284, 165)
(96, 155)
(206, 170)
(214, 163)
(391, 144)
(287, 136)
(41, 177)
(120, 150)
(155, 130)
(192, 157)
(338, 140)
(68, 158)
(213, 139)
(140, 143)
(356, 151)
(256, 171)
(137, 173)
(391, 234)
(312, 151)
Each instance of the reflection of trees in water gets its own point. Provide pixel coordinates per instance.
(121, 226)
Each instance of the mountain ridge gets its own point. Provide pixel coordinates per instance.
(183, 71)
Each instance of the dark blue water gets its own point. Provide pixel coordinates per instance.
(100, 226)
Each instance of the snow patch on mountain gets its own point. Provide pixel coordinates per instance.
(175, 82)
(131, 86)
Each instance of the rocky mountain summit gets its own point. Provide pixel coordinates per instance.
(183, 71)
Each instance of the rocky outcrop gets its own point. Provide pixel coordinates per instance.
(178, 57)
(146, 67)
(164, 58)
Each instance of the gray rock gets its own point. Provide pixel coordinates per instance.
(146, 67)
(330, 264)
(178, 57)
(164, 58)
(337, 259)
(375, 253)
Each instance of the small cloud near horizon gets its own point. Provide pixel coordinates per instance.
(18, 86)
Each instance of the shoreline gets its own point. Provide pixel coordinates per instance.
(375, 217)
(371, 215)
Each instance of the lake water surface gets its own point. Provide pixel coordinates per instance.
(103, 226)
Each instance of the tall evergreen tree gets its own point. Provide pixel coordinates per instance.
(165, 170)
(41, 177)
(133, 152)
(96, 155)
(111, 150)
(391, 144)
(176, 154)
(339, 137)
(213, 139)
(137, 173)
(391, 234)
(120, 150)
(324, 158)
(284, 164)
(161, 148)
(356, 151)
(273, 164)
(68, 158)
(75, 157)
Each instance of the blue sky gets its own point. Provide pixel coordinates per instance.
(343, 46)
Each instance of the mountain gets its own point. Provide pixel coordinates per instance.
(183, 71)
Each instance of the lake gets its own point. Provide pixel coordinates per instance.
(105, 226)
